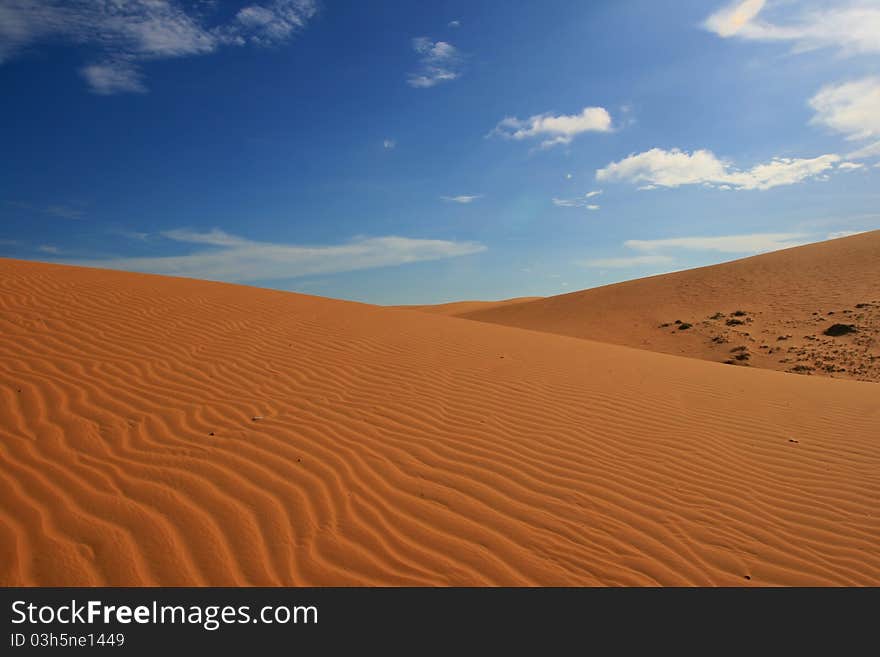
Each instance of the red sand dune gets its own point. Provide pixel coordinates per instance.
(404, 448)
(789, 299)
(458, 308)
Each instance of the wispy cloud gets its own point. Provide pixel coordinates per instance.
(454, 24)
(844, 233)
(657, 251)
(114, 77)
(627, 261)
(57, 210)
(136, 31)
(749, 243)
(852, 109)
(851, 27)
(464, 198)
(439, 61)
(555, 130)
(133, 235)
(581, 202)
(389, 144)
(64, 211)
(673, 168)
(226, 257)
(48, 248)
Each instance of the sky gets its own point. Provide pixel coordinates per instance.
(415, 152)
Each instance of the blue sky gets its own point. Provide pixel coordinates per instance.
(414, 152)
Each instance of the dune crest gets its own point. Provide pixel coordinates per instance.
(169, 431)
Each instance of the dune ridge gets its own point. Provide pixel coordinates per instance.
(162, 431)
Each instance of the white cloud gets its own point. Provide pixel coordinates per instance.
(673, 168)
(232, 258)
(750, 243)
(271, 24)
(388, 144)
(135, 31)
(454, 24)
(439, 62)
(852, 27)
(113, 77)
(578, 202)
(852, 109)
(48, 248)
(462, 199)
(850, 166)
(627, 261)
(556, 129)
(734, 17)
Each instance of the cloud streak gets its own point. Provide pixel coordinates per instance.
(221, 256)
(749, 243)
(464, 198)
(582, 202)
(674, 168)
(657, 251)
(627, 261)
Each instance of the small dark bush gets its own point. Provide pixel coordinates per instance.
(739, 313)
(684, 326)
(839, 329)
(734, 322)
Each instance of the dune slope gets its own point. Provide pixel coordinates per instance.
(167, 431)
(786, 301)
(457, 308)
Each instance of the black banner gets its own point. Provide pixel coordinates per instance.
(85, 620)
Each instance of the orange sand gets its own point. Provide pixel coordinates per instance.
(785, 294)
(396, 447)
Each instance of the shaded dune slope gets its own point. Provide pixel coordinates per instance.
(789, 298)
(402, 448)
(456, 308)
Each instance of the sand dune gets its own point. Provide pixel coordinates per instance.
(458, 308)
(789, 298)
(168, 431)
